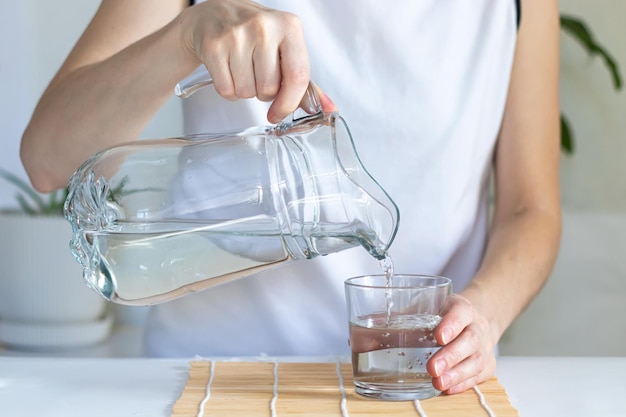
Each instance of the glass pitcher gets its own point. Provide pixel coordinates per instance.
(156, 219)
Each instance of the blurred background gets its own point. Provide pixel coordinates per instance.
(582, 310)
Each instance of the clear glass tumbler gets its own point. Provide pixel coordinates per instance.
(392, 323)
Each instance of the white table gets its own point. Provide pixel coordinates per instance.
(105, 387)
(561, 386)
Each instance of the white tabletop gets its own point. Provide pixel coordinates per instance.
(67, 387)
(590, 387)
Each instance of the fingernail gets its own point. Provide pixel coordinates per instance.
(445, 381)
(446, 335)
(440, 365)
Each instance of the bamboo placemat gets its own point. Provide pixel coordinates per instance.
(274, 389)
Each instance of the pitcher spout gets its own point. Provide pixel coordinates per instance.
(336, 203)
(375, 215)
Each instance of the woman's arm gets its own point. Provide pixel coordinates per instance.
(130, 57)
(525, 233)
(526, 227)
(116, 77)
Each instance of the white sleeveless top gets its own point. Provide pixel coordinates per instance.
(422, 86)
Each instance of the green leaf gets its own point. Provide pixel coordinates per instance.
(33, 203)
(56, 202)
(567, 140)
(579, 30)
(24, 206)
(25, 187)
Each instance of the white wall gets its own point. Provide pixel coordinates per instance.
(595, 177)
(582, 309)
(35, 38)
(16, 78)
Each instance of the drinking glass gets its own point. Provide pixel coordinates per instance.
(392, 323)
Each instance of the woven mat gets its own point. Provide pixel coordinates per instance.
(272, 389)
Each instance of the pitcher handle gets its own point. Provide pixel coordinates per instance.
(201, 78)
(198, 79)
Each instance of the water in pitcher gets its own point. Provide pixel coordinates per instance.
(155, 219)
(141, 264)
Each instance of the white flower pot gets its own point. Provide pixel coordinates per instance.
(44, 302)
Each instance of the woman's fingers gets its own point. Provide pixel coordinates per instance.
(469, 373)
(266, 73)
(242, 72)
(464, 362)
(294, 68)
(327, 104)
(251, 51)
(467, 357)
(458, 314)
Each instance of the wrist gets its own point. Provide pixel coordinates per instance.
(484, 305)
(183, 39)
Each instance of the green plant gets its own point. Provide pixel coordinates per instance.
(33, 203)
(581, 33)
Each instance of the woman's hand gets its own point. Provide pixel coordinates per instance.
(250, 51)
(467, 357)
(131, 55)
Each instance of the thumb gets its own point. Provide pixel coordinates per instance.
(327, 104)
